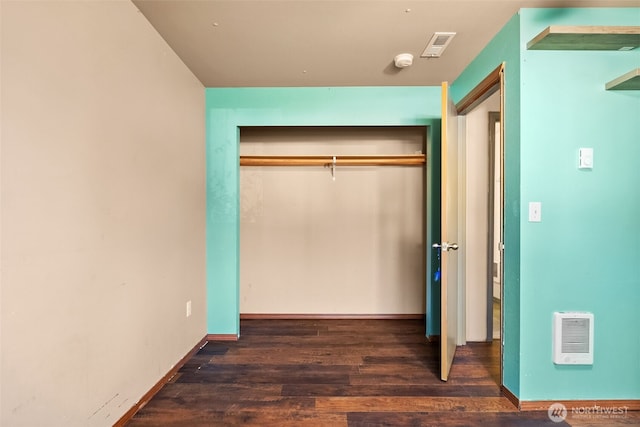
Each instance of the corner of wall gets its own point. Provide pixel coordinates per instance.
(505, 47)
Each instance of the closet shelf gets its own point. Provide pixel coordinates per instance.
(393, 160)
(628, 81)
(556, 37)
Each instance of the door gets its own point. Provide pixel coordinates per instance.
(449, 234)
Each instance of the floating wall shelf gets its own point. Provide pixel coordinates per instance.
(558, 37)
(628, 81)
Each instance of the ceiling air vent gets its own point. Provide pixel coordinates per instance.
(438, 43)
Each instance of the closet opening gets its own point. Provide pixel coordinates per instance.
(332, 239)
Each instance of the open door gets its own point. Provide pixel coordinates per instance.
(449, 235)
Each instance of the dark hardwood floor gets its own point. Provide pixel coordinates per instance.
(335, 373)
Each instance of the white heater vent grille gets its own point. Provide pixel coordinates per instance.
(573, 338)
(575, 335)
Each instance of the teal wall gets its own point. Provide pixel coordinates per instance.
(228, 109)
(585, 254)
(504, 48)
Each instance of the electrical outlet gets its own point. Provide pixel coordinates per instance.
(188, 308)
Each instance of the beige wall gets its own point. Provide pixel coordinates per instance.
(102, 211)
(316, 246)
(476, 187)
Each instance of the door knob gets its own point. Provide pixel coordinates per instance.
(446, 246)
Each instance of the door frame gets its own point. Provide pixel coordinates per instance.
(493, 82)
(392, 132)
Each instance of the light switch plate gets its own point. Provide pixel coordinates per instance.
(535, 211)
(585, 158)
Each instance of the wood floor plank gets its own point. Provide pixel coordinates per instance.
(449, 419)
(312, 355)
(433, 390)
(208, 418)
(413, 404)
(186, 392)
(285, 419)
(268, 374)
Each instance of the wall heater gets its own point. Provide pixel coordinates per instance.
(573, 338)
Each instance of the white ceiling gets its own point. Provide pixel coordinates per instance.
(248, 43)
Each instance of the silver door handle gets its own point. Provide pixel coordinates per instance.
(446, 246)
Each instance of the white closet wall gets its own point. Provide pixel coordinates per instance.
(312, 245)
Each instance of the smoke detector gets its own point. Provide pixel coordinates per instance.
(403, 60)
(437, 44)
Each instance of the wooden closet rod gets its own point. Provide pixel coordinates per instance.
(394, 160)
